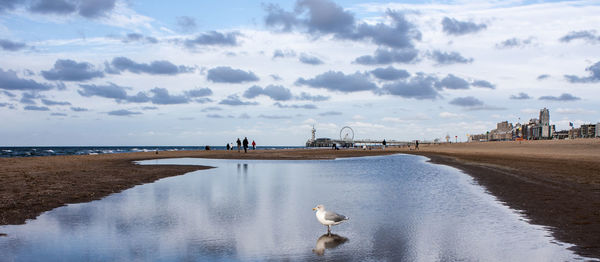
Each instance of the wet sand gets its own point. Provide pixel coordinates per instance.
(554, 183)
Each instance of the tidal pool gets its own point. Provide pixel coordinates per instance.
(401, 208)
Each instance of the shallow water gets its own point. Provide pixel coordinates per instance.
(400, 208)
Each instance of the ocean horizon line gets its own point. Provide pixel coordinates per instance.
(30, 151)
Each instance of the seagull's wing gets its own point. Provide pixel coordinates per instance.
(335, 217)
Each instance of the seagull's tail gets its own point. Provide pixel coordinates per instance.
(346, 218)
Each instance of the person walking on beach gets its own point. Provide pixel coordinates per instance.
(239, 144)
(228, 147)
(253, 145)
(383, 144)
(417, 145)
(245, 145)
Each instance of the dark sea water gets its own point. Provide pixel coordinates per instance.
(401, 208)
(94, 150)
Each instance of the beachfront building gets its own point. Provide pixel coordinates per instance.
(587, 131)
(563, 134)
(531, 129)
(544, 117)
(546, 129)
(536, 129)
(540, 128)
(503, 132)
(574, 133)
(478, 138)
(517, 131)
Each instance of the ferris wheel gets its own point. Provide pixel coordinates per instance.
(347, 134)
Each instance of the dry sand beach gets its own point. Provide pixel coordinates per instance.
(554, 183)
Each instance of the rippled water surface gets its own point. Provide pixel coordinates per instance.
(400, 208)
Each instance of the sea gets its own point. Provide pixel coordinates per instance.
(29, 151)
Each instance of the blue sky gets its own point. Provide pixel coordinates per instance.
(112, 72)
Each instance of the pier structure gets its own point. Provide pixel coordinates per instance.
(347, 140)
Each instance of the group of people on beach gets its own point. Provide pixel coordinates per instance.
(241, 144)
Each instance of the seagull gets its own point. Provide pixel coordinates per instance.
(328, 218)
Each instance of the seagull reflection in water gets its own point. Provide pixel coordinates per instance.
(328, 241)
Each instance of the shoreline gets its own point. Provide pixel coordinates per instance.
(542, 203)
(560, 191)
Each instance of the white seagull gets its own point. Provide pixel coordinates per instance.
(328, 218)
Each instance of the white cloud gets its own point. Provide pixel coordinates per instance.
(574, 111)
(450, 115)
(309, 121)
(358, 117)
(530, 111)
(364, 125)
(393, 119)
(372, 114)
(124, 17)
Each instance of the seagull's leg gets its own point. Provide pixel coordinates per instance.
(329, 229)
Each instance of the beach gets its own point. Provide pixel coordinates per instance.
(553, 183)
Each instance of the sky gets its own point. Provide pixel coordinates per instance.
(129, 72)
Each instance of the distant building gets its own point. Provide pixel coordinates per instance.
(528, 129)
(546, 129)
(587, 131)
(503, 132)
(563, 134)
(518, 130)
(574, 133)
(478, 138)
(318, 142)
(536, 129)
(544, 117)
(321, 142)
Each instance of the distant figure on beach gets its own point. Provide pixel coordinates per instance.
(228, 147)
(383, 144)
(231, 146)
(253, 145)
(417, 144)
(245, 145)
(207, 148)
(239, 144)
(157, 151)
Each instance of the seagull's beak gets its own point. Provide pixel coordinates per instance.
(314, 208)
